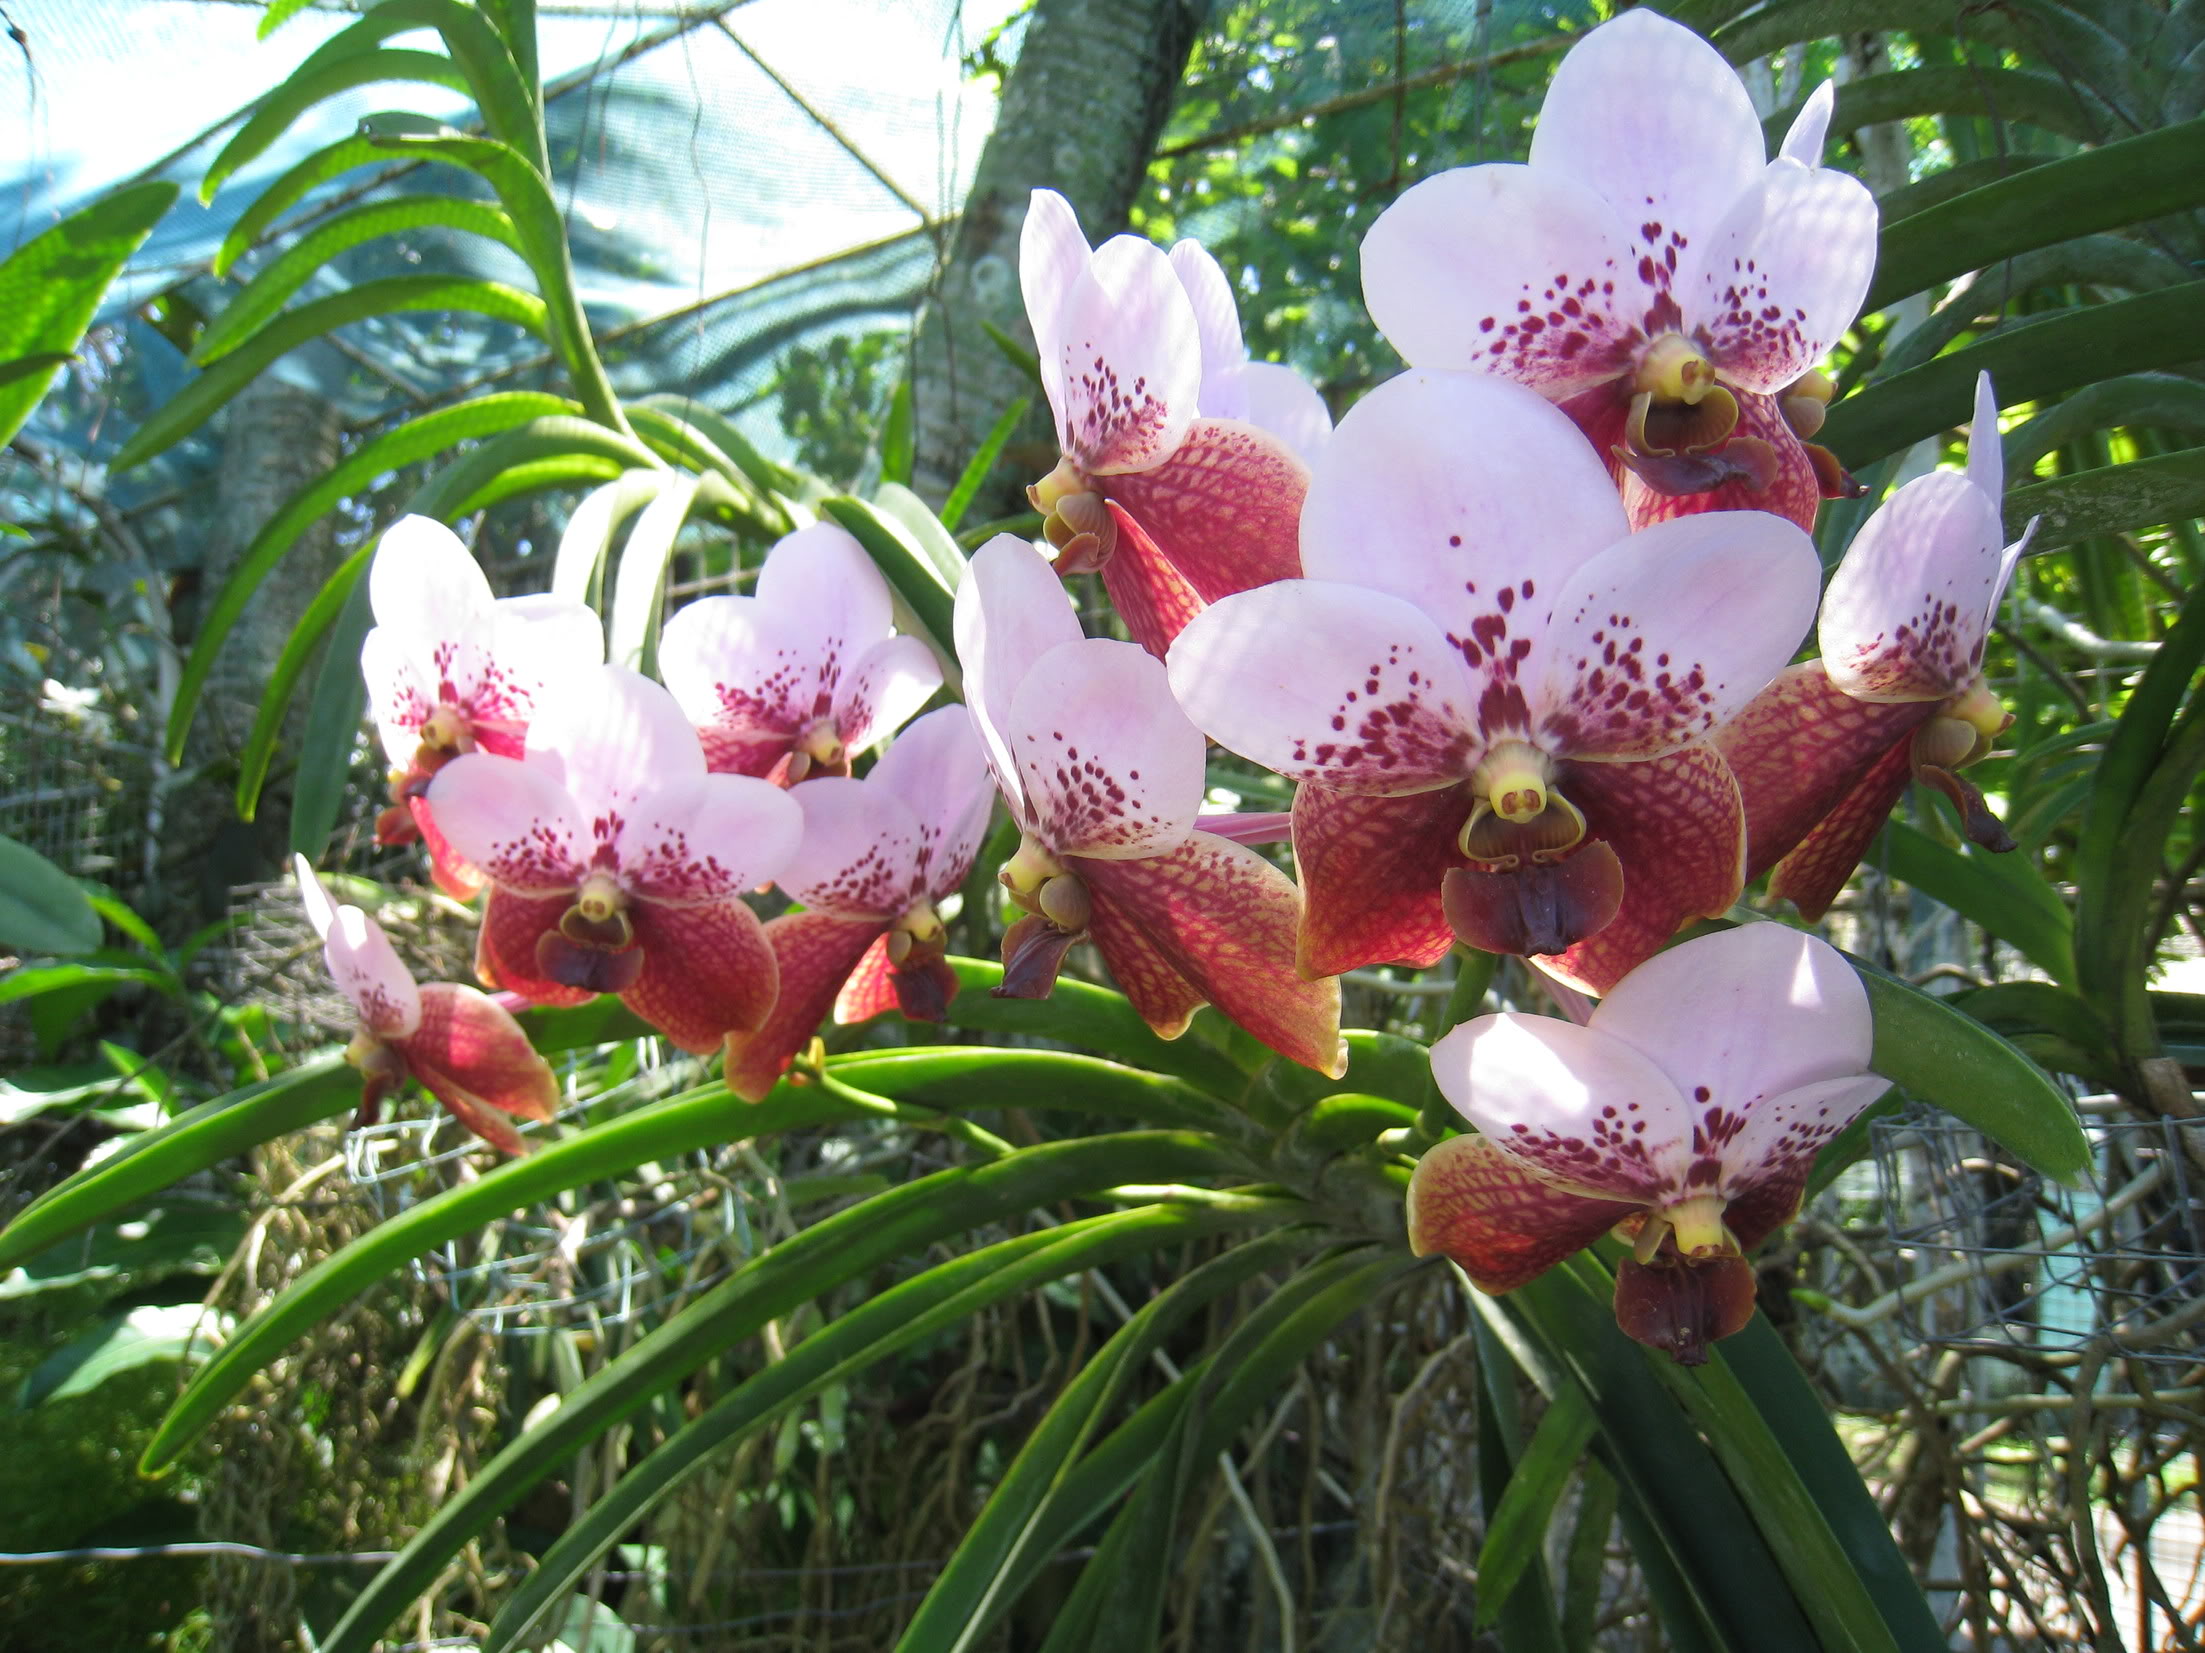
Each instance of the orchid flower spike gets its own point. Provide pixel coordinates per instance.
(1495, 698)
(617, 864)
(1182, 472)
(1687, 1112)
(878, 857)
(1650, 270)
(464, 1048)
(449, 670)
(1104, 775)
(1825, 751)
(801, 677)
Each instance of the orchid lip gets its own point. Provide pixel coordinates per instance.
(1698, 1225)
(1979, 708)
(1066, 481)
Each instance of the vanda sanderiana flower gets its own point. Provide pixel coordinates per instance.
(1689, 1110)
(464, 1048)
(1649, 269)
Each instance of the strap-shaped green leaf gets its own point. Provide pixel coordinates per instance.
(198, 401)
(768, 476)
(910, 513)
(38, 361)
(300, 181)
(2053, 1026)
(550, 474)
(2023, 95)
(577, 571)
(51, 287)
(1516, 1529)
(981, 463)
(679, 440)
(898, 1317)
(406, 444)
(333, 716)
(901, 1222)
(639, 587)
(41, 908)
(2157, 401)
(2110, 499)
(1091, 1018)
(266, 293)
(898, 437)
(2029, 362)
(907, 565)
(2004, 894)
(961, 1078)
(1934, 1052)
(2101, 189)
(313, 82)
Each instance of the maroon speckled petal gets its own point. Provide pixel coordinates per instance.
(815, 952)
(707, 971)
(1676, 825)
(1152, 597)
(472, 1056)
(1370, 872)
(1479, 1204)
(454, 875)
(1800, 746)
(505, 951)
(871, 988)
(1813, 873)
(1225, 509)
(1227, 921)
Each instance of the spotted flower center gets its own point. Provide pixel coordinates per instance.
(447, 730)
(1074, 519)
(1672, 370)
(821, 744)
(1037, 881)
(1696, 1222)
(1518, 815)
(598, 919)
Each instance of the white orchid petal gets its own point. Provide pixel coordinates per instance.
(1010, 611)
(612, 736)
(513, 819)
(1908, 610)
(1109, 764)
(882, 688)
(859, 857)
(1782, 278)
(1128, 360)
(1052, 255)
(939, 770)
(425, 585)
(1810, 128)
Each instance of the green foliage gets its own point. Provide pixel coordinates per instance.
(41, 909)
(834, 400)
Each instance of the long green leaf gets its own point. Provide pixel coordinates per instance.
(964, 1077)
(553, 473)
(2005, 894)
(983, 460)
(914, 1309)
(924, 529)
(333, 716)
(2110, 499)
(311, 83)
(1934, 1052)
(300, 181)
(118, 1344)
(2029, 363)
(2101, 189)
(265, 294)
(2161, 401)
(898, 437)
(1952, 89)
(51, 287)
(577, 570)
(41, 908)
(198, 401)
(639, 589)
(1516, 1530)
(906, 564)
(768, 476)
(898, 1223)
(1093, 1018)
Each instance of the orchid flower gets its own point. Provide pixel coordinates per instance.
(464, 1048)
(450, 670)
(801, 677)
(617, 864)
(1823, 753)
(877, 855)
(1172, 482)
(1104, 775)
(1494, 697)
(1649, 270)
(1688, 1110)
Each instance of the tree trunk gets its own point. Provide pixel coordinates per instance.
(1093, 83)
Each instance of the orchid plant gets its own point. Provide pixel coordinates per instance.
(1520, 634)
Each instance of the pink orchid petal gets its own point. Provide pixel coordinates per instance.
(425, 586)
(708, 971)
(884, 686)
(1331, 683)
(1742, 1015)
(1052, 255)
(1216, 317)
(938, 770)
(1153, 600)
(1109, 764)
(1908, 610)
(1777, 1139)
(1814, 870)
(859, 855)
(361, 960)
(505, 949)
(822, 580)
(472, 1056)
(1810, 128)
(1454, 492)
(1798, 748)
(315, 900)
(1010, 611)
(1795, 492)
(1275, 398)
(871, 988)
(1127, 360)
(814, 953)
(611, 736)
(1370, 871)
(1986, 449)
(1670, 632)
(1652, 116)
(1249, 826)
(529, 643)
(1227, 921)
(513, 820)
(1577, 1106)
(1783, 276)
(1474, 1201)
(1676, 825)
(1225, 509)
(706, 838)
(747, 689)
(400, 696)
(455, 875)
(1514, 271)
